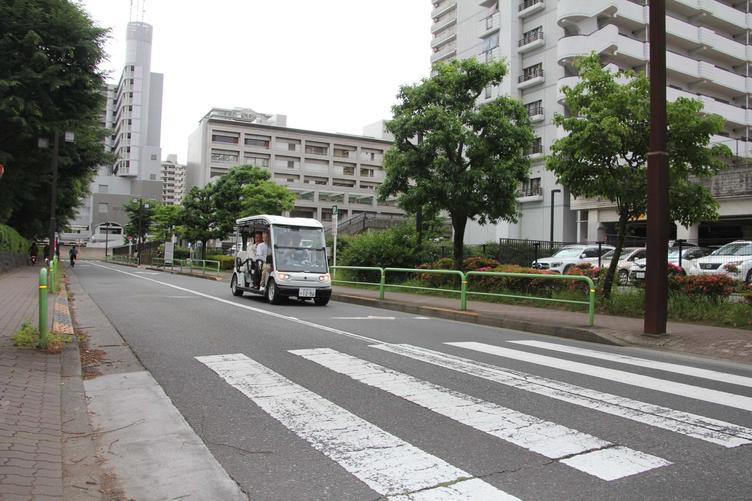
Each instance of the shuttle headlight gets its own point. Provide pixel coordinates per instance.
(283, 277)
(324, 278)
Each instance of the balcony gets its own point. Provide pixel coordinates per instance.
(713, 13)
(572, 12)
(734, 182)
(536, 151)
(443, 24)
(536, 114)
(443, 37)
(530, 194)
(530, 79)
(529, 7)
(449, 50)
(531, 42)
(443, 7)
(488, 25)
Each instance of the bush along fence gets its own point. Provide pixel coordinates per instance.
(483, 282)
(191, 266)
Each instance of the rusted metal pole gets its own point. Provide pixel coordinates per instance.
(656, 280)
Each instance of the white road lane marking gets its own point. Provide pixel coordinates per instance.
(687, 370)
(369, 317)
(693, 425)
(685, 423)
(584, 452)
(615, 375)
(387, 464)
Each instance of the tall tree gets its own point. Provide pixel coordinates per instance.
(49, 80)
(140, 213)
(228, 192)
(199, 219)
(472, 157)
(604, 153)
(166, 221)
(266, 197)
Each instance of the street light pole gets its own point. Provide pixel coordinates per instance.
(553, 192)
(656, 281)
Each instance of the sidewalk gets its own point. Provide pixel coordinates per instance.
(705, 340)
(30, 404)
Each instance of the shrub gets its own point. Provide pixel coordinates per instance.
(225, 262)
(27, 336)
(393, 247)
(12, 241)
(585, 270)
(476, 262)
(56, 342)
(712, 287)
(515, 284)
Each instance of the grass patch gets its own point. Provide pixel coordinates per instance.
(27, 336)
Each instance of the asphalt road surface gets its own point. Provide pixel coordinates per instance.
(349, 402)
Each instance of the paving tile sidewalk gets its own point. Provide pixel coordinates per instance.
(709, 341)
(30, 406)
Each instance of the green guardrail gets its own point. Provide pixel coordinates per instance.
(190, 265)
(464, 290)
(122, 259)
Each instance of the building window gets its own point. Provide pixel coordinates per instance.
(103, 208)
(348, 171)
(531, 36)
(537, 146)
(490, 42)
(532, 187)
(256, 161)
(316, 150)
(530, 72)
(222, 138)
(366, 172)
(488, 92)
(534, 108)
(258, 141)
(224, 156)
(103, 188)
(153, 156)
(291, 164)
(291, 146)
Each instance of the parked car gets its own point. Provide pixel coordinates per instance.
(734, 260)
(626, 260)
(688, 255)
(571, 255)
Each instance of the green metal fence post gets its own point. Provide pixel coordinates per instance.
(463, 292)
(51, 276)
(591, 306)
(382, 281)
(43, 308)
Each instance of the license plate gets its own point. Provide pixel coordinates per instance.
(307, 292)
(639, 274)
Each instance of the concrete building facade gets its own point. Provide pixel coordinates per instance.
(133, 113)
(173, 180)
(323, 169)
(708, 58)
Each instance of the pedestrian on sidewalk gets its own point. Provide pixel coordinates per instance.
(73, 254)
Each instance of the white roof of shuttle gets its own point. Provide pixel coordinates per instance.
(290, 221)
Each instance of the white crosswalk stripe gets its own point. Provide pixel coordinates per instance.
(687, 370)
(623, 377)
(692, 425)
(579, 450)
(387, 464)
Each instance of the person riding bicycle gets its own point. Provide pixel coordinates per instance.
(73, 254)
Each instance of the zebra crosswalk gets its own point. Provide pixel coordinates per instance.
(395, 468)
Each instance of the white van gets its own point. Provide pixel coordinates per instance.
(295, 261)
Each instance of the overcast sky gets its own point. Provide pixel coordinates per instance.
(329, 65)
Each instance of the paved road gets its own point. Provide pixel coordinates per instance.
(349, 402)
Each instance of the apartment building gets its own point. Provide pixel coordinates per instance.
(133, 112)
(173, 180)
(323, 169)
(707, 59)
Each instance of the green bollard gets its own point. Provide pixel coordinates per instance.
(463, 293)
(382, 283)
(43, 308)
(51, 276)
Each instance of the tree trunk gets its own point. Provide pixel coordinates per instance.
(203, 249)
(612, 269)
(419, 229)
(458, 224)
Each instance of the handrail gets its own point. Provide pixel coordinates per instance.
(361, 268)
(464, 284)
(543, 276)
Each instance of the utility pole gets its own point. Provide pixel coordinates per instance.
(53, 192)
(656, 280)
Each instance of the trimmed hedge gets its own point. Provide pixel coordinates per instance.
(12, 241)
(225, 262)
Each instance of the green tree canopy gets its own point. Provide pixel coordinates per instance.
(228, 192)
(604, 153)
(140, 213)
(166, 221)
(266, 197)
(49, 81)
(199, 219)
(453, 154)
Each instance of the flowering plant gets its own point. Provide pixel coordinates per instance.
(713, 287)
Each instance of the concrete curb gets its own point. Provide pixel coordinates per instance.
(537, 327)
